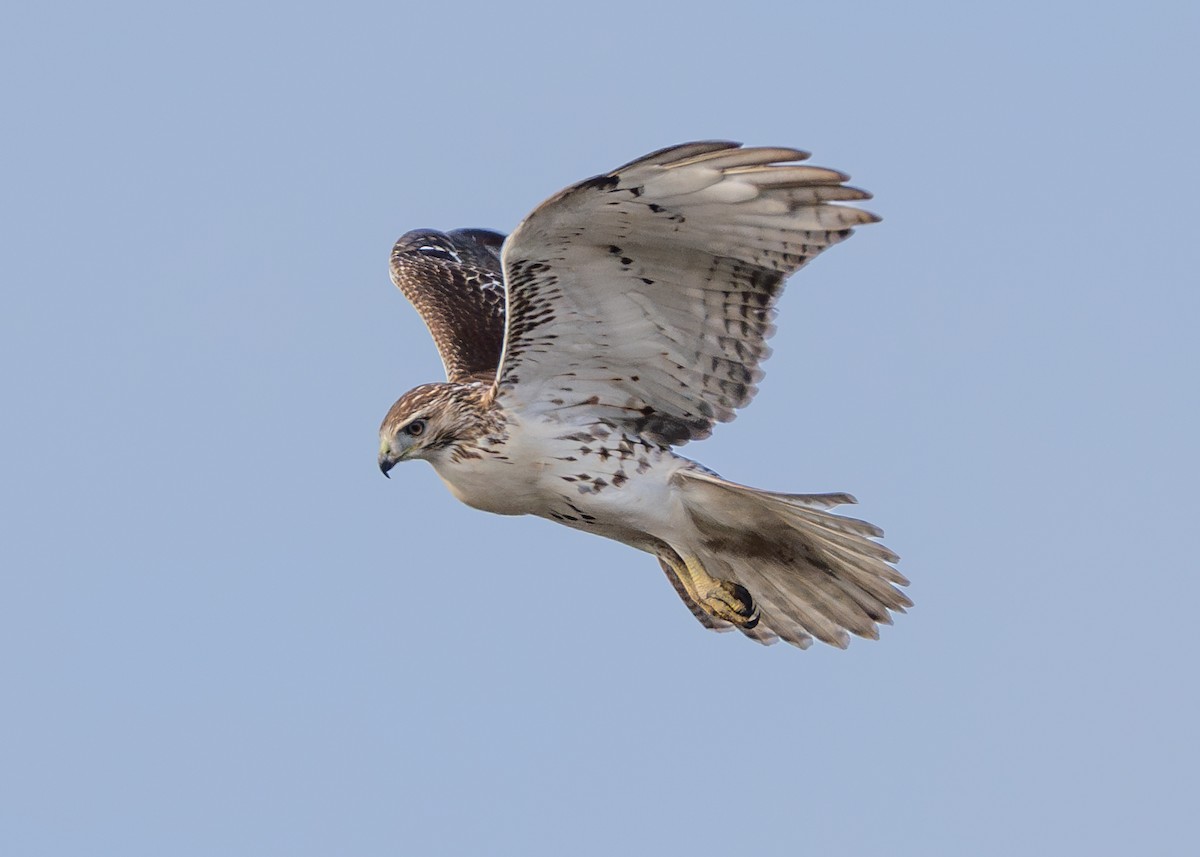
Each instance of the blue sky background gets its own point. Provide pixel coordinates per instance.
(222, 632)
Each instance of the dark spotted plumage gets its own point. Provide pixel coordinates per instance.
(649, 284)
(626, 315)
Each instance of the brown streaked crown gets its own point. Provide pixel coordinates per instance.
(455, 413)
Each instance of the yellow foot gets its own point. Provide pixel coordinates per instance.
(721, 599)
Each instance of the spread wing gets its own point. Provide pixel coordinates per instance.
(647, 294)
(455, 282)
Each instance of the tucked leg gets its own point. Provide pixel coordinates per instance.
(708, 596)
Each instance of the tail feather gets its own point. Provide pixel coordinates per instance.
(871, 574)
(872, 606)
(811, 573)
(856, 544)
(835, 523)
(813, 501)
(762, 634)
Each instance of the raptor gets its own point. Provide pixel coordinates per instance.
(625, 317)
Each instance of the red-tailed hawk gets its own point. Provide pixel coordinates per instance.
(625, 316)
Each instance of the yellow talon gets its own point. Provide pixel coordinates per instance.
(721, 599)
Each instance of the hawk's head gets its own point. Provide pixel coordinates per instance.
(429, 420)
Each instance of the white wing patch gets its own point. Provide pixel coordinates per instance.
(647, 295)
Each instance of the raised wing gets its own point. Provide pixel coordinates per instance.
(455, 282)
(647, 294)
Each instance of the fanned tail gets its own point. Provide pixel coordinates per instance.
(810, 573)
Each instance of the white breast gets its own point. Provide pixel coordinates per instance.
(594, 479)
(501, 487)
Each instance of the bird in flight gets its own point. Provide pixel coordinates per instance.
(626, 316)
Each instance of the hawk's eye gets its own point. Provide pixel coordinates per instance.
(415, 429)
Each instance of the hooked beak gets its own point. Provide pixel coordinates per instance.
(386, 462)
